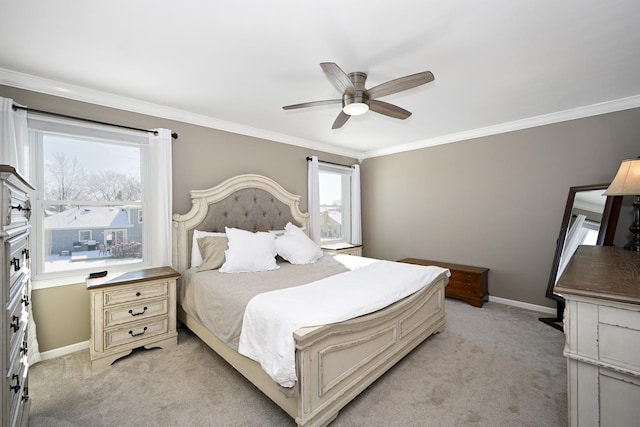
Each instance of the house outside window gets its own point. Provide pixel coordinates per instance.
(84, 235)
(89, 199)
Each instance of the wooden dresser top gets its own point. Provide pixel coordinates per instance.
(605, 272)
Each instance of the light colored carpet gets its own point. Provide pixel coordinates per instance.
(492, 366)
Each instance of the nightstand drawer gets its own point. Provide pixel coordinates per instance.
(135, 332)
(135, 312)
(137, 293)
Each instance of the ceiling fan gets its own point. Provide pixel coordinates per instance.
(356, 99)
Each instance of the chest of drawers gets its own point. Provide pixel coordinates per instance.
(470, 284)
(602, 329)
(15, 211)
(131, 310)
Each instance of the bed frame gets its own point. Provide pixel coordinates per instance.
(334, 363)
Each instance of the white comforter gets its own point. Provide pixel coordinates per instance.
(271, 317)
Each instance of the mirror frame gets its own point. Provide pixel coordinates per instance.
(606, 235)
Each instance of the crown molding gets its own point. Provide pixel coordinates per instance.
(105, 99)
(545, 119)
(83, 94)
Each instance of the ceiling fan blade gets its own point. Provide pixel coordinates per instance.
(340, 120)
(338, 78)
(388, 109)
(398, 85)
(312, 104)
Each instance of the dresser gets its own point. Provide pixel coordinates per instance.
(601, 287)
(468, 283)
(131, 310)
(15, 206)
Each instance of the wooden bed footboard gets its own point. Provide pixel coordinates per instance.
(336, 362)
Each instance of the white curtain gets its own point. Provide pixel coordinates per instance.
(356, 223)
(313, 183)
(160, 209)
(14, 151)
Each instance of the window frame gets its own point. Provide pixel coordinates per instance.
(39, 125)
(346, 173)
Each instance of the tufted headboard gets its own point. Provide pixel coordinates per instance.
(244, 201)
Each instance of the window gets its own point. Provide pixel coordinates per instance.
(90, 196)
(335, 203)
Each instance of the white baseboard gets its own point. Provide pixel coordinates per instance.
(525, 305)
(63, 351)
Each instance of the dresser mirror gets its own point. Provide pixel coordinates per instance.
(589, 219)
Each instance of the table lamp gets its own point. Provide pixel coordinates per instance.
(627, 183)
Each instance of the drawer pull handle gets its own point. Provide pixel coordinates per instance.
(16, 387)
(139, 333)
(25, 300)
(15, 326)
(139, 313)
(24, 349)
(16, 264)
(138, 294)
(25, 394)
(20, 208)
(25, 252)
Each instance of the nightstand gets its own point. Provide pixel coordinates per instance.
(343, 249)
(131, 310)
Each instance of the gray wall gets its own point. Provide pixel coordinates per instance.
(494, 202)
(202, 157)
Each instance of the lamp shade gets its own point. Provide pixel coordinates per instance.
(627, 180)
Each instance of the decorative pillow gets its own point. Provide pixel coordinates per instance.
(196, 256)
(296, 247)
(212, 249)
(249, 252)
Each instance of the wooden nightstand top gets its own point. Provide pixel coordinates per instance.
(133, 277)
(339, 246)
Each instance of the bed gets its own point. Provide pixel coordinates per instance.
(334, 362)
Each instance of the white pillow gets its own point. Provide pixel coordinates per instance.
(196, 256)
(249, 252)
(296, 247)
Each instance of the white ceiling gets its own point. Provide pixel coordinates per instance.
(499, 65)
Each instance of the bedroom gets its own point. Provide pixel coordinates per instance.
(493, 201)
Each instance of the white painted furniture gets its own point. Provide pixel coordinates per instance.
(15, 208)
(131, 310)
(601, 286)
(343, 249)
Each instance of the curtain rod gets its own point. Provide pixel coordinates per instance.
(331, 163)
(174, 135)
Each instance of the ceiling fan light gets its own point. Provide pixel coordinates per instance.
(355, 108)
